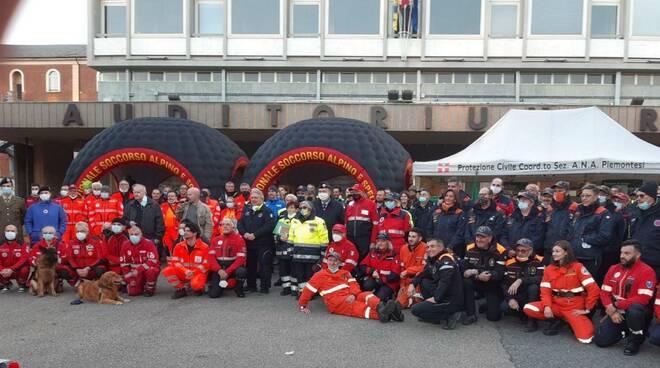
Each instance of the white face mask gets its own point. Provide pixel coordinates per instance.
(333, 269)
(181, 231)
(105, 195)
(324, 196)
(44, 197)
(143, 202)
(116, 229)
(290, 215)
(123, 190)
(81, 235)
(230, 204)
(10, 235)
(64, 193)
(35, 192)
(96, 192)
(337, 237)
(618, 205)
(495, 189)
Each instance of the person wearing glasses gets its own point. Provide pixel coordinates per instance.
(645, 225)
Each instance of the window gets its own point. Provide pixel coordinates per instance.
(509, 78)
(203, 76)
(312, 77)
(628, 79)
(348, 77)
(411, 77)
(460, 78)
(609, 79)
(158, 16)
(156, 76)
(504, 20)
(210, 17)
(255, 17)
(267, 77)
(543, 78)
(363, 77)
(108, 77)
(451, 17)
(645, 15)
(380, 78)
(140, 76)
(172, 76)
(330, 77)
(643, 79)
(354, 17)
(299, 77)
(603, 21)
(494, 78)
(444, 78)
(594, 79)
(217, 76)
(235, 77)
(305, 18)
(284, 77)
(527, 78)
(557, 17)
(251, 77)
(560, 79)
(114, 18)
(477, 78)
(428, 78)
(52, 81)
(187, 76)
(577, 78)
(396, 77)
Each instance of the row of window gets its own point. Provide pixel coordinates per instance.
(382, 77)
(363, 17)
(52, 80)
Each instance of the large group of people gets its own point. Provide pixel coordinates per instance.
(536, 256)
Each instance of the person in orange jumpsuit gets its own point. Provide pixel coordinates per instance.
(189, 263)
(76, 211)
(104, 209)
(568, 293)
(342, 295)
(170, 220)
(412, 263)
(228, 210)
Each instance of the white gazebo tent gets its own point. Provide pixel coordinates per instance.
(536, 143)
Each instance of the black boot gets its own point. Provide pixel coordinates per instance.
(453, 319)
(285, 291)
(633, 343)
(385, 311)
(397, 315)
(531, 325)
(180, 293)
(553, 327)
(239, 289)
(468, 320)
(278, 282)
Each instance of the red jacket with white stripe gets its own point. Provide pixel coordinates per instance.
(143, 254)
(227, 252)
(13, 255)
(76, 210)
(103, 210)
(396, 224)
(657, 304)
(387, 265)
(573, 278)
(361, 216)
(625, 286)
(347, 251)
(334, 288)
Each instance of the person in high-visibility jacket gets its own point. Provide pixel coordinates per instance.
(104, 210)
(309, 237)
(76, 211)
(284, 248)
(189, 263)
(568, 293)
(412, 263)
(170, 221)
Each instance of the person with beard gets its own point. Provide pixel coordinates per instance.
(342, 295)
(503, 201)
(309, 237)
(411, 257)
(441, 287)
(380, 199)
(558, 218)
(625, 294)
(484, 213)
(645, 225)
(170, 221)
(446, 223)
(521, 281)
(361, 217)
(380, 270)
(284, 247)
(463, 200)
(328, 208)
(527, 221)
(243, 198)
(591, 230)
(612, 250)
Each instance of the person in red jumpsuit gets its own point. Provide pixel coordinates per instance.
(189, 263)
(568, 293)
(139, 264)
(85, 256)
(394, 221)
(14, 263)
(49, 240)
(348, 253)
(626, 295)
(76, 210)
(112, 245)
(380, 269)
(227, 260)
(342, 295)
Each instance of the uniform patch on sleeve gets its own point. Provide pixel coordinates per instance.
(584, 271)
(649, 284)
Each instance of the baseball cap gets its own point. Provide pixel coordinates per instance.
(484, 230)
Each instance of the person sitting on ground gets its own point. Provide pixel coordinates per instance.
(380, 270)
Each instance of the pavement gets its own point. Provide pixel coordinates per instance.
(269, 331)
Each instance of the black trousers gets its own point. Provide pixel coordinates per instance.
(654, 334)
(434, 312)
(525, 294)
(362, 244)
(382, 291)
(301, 272)
(636, 319)
(285, 271)
(215, 291)
(259, 265)
(492, 292)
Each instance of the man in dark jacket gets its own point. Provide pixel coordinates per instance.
(422, 213)
(484, 213)
(645, 225)
(527, 221)
(147, 215)
(557, 218)
(612, 251)
(256, 226)
(328, 208)
(441, 285)
(591, 230)
(464, 200)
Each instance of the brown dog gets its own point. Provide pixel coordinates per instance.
(103, 290)
(46, 275)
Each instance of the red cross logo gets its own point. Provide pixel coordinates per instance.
(443, 168)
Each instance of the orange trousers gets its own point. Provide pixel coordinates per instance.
(563, 308)
(176, 276)
(364, 306)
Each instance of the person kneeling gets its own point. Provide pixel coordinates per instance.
(625, 294)
(342, 295)
(227, 261)
(441, 285)
(85, 255)
(188, 265)
(139, 262)
(379, 271)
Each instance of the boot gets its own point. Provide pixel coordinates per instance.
(180, 293)
(453, 319)
(397, 315)
(633, 343)
(531, 325)
(285, 291)
(278, 282)
(239, 289)
(553, 327)
(385, 311)
(468, 320)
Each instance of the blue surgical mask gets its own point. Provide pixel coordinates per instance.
(10, 235)
(523, 205)
(422, 199)
(135, 239)
(48, 237)
(602, 199)
(390, 205)
(618, 205)
(7, 191)
(116, 229)
(143, 202)
(105, 195)
(643, 206)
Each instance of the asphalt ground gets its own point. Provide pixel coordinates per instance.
(269, 331)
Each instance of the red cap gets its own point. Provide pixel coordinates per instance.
(621, 196)
(339, 228)
(357, 187)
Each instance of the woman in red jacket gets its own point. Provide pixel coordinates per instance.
(568, 293)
